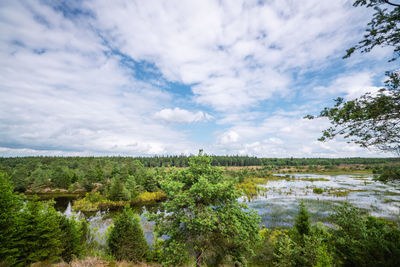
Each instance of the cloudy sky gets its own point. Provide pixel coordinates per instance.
(170, 77)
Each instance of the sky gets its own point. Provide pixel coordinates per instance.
(151, 77)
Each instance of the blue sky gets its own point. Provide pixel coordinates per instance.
(171, 77)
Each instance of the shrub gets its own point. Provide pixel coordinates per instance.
(10, 206)
(72, 239)
(126, 240)
(318, 190)
(360, 241)
(118, 191)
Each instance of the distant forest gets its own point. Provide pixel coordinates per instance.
(182, 161)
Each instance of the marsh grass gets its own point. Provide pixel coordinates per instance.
(94, 201)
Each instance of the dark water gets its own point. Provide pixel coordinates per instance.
(100, 220)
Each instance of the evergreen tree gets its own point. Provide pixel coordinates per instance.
(61, 177)
(40, 237)
(71, 238)
(302, 223)
(118, 191)
(19, 177)
(126, 240)
(132, 187)
(10, 206)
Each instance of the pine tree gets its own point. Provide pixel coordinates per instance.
(40, 238)
(71, 238)
(118, 191)
(10, 205)
(302, 223)
(126, 240)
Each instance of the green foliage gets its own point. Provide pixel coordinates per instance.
(303, 245)
(40, 235)
(156, 253)
(41, 177)
(360, 241)
(318, 190)
(383, 30)
(387, 173)
(132, 187)
(19, 177)
(202, 217)
(302, 222)
(61, 177)
(34, 231)
(372, 120)
(126, 240)
(72, 238)
(10, 206)
(118, 191)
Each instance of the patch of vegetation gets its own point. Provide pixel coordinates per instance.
(94, 201)
(318, 190)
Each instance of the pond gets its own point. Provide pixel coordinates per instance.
(100, 221)
(277, 203)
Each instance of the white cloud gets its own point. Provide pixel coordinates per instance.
(229, 137)
(178, 115)
(280, 136)
(235, 54)
(353, 85)
(65, 89)
(71, 96)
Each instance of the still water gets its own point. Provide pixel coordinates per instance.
(277, 204)
(278, 200)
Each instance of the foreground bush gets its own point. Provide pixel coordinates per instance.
(360, 241)
(126, 240)
(34, 231)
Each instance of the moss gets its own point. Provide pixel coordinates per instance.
(318, 190)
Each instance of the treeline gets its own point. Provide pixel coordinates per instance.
(141, 174)
(183, 161)
(120, 180)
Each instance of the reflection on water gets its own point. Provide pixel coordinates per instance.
(100, 221)
(277, 205)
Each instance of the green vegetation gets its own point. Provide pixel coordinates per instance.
(94, 201)
(354, 241)
(372, 120)
(318, 190)
(203, 219)
(387, 174)
(201, 222)
(33, 231)
(126, 240)
(359, 241)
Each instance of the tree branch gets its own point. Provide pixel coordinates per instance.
(390, 3)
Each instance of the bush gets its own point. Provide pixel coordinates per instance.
(40, 236)
(118, 191)
(126, 240)
(302, 222)
(72, 239)
(388, 173)
(359, 241)
(34, 231)
(10, 206)
(318, 190)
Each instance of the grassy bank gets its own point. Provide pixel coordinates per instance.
(94, 201)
